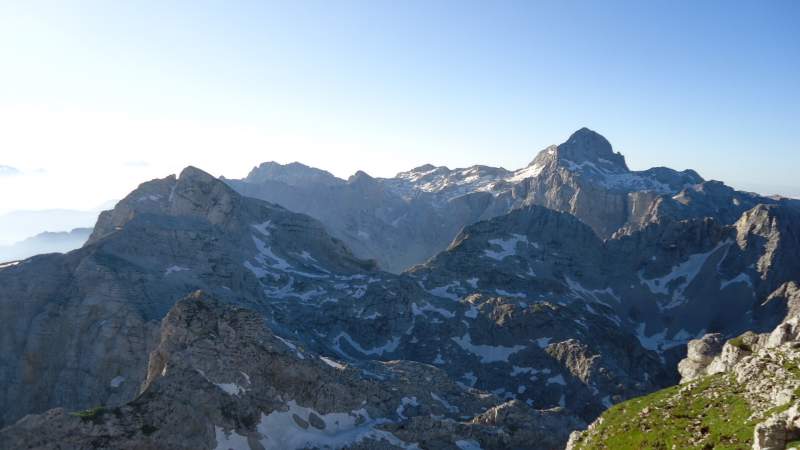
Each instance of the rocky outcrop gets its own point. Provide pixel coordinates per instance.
(219, 378)
(700, 354)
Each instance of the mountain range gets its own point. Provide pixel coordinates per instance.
(407, 219)
(464, 308)
(18, 225)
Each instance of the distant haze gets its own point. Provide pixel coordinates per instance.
(59, 242)
(19, 225)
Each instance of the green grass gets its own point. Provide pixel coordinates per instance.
(739, 343)
(793, 444)
(94, 415)
(711, 414)
(792, 367)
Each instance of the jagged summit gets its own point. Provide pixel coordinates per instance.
(194, 175)
(422, 168)
(194, 193)
(360, 177)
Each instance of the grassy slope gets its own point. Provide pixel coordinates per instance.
(704, 414)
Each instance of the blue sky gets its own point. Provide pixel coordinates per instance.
(114, 93)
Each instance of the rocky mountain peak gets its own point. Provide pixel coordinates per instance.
(772, 232)
(194, 193)
(197, 193)
(360, 177)
(533, 221)
(587, 146)
(423, 168)
(292, 174)
(767, 222)
(194, 175)
(365, 184)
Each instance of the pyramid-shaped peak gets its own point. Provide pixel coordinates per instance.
(588, 134)
(586, 145)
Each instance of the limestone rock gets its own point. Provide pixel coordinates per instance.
(700, 353)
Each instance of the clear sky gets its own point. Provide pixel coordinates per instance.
(96, 97)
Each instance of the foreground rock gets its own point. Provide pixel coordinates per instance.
(219, 378)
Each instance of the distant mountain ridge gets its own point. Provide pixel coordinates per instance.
(47, 242)
(16, 226)
(404, 220)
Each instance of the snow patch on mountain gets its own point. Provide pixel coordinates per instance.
(174, 269)
(487, 353)
(741, 278)
(230, 440)
(444, 291)
(683, 273)
(389, 347)
(532, 171)
(659, 342)
(508, 247)
(280, 429)
(332, 363)
(419, 310)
